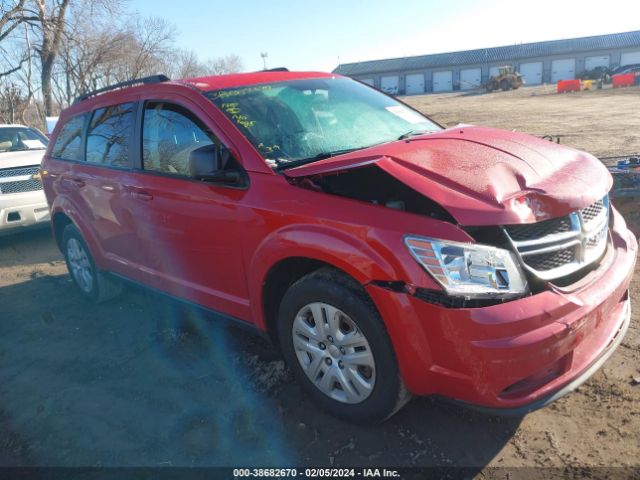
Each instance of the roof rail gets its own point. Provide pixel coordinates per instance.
(129, 83)
(278, 69)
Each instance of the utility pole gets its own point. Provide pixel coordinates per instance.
(264, 56)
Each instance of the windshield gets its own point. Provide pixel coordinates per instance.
(13, 139)
(302, 121)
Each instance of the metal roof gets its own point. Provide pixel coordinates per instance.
(495, 54)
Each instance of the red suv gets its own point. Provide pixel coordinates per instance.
(385, 255)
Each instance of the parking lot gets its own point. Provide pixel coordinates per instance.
(144, 381)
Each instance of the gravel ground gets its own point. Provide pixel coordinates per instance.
(144, 381)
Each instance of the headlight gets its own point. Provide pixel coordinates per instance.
(468, 269)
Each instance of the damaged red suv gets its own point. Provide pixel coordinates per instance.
(385, 255)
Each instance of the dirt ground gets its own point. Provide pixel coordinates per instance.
(144, 381)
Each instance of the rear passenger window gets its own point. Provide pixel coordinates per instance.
(68, 144)
(169, 134)
(109, 135)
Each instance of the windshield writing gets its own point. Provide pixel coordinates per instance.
(294, 121)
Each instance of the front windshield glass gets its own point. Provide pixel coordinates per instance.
(13, 139)
(301, 121)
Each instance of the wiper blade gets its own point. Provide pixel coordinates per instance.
(321, 156)
(413, 133)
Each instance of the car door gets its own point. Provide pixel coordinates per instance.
(188, 230)
(99, 179)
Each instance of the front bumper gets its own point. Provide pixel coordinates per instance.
(616, 339)
(23, 210)
(520, 355)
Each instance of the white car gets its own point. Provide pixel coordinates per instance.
(22, 200)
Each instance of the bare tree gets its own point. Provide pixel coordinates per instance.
(185, 64)
(88, 52)
(148, 46)
(51, 16)
(231, 63)
(12, 15)
(12, 102)
(71, 46)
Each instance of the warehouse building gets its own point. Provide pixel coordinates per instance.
(540, 62)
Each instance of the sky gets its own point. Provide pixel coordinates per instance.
(319, 35)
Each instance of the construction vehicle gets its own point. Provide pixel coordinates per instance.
(506, 79)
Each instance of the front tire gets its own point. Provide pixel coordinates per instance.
(93, 284)
(335, 342)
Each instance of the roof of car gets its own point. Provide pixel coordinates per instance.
(217, 82)
(204, 84)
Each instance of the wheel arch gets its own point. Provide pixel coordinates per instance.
(278, 280)
(63, 213)
(286, 256)
(59, 222)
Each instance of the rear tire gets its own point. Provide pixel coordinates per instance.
(93, 284)
(345, 361)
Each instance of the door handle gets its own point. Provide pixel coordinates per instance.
(74, 181)
(146, 196)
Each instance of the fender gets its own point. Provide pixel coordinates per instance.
(317, 242)
(62, 204)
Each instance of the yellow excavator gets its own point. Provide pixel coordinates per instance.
(506, 79)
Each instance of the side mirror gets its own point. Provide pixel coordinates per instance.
(208, 163)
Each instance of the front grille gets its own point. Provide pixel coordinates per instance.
(18, 180)
(18, 187)
(549, 261)
(559, 247)
(532, 231)
(18, 172)
(592, 211)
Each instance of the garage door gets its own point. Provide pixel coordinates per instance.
(390, 84)
(368, 81)
(531, 73)
(442, 81)
(564, 69)
(470, 78)
(592, 62)
(415, 83)
(629, 58)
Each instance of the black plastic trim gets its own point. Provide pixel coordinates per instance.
(129, 83)
(442, 299)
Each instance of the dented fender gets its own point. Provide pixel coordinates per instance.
(354, 256)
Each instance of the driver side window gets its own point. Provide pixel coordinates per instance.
(169, 134)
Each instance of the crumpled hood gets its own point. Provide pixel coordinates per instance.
(485, 176)
(25, 158)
